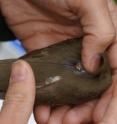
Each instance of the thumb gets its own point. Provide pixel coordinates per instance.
(20, 96)
(99, 32)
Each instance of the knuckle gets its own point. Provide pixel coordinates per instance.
(107, 37)
(18, 98)
(100, 40)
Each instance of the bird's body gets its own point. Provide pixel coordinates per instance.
(60, 76)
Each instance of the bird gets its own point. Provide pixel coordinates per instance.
(61, 78)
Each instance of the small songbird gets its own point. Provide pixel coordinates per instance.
(60, 76)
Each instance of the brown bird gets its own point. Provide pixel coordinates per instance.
(60, 76)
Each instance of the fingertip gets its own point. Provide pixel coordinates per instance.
(58, 114)
(20, 71)
(71, 117)
(42, 114)
(22, 74)
(91, 61)
(19, 99)
(24, 64)
(21, 63)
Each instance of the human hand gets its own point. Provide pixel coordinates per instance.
(40, 23)
(38, 28)
(19, 99)
(100, 111)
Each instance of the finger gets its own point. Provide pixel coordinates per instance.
(113, 49)
(111, 111)
(19, 99)
(58, 115)
(80, 114)
(102, 105)
(42, 114)
(99, 32)
(112, 54)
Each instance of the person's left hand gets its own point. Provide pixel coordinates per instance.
(19, 99)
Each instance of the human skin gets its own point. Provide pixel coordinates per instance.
(41, 23)
(19, 101)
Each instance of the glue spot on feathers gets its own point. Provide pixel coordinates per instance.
(51, 80)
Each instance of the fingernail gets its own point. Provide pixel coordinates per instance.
(18, 72)
(95, 63)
